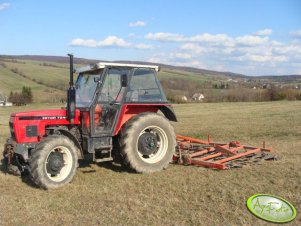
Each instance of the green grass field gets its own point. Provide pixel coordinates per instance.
(180, 195)
(38, 78)
(162, 75)
(189, 76)
(43, 73)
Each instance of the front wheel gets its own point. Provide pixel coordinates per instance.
(147, 143)
(53, 163)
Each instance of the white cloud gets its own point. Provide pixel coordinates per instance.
(266, 58)
(217, 39)
(194, 47)
(288, 49)
(182, 55)
(113, 41)
(131, 35)
(192, 63)
(176, 59)
(82, 42)
(137, 24)
(155, 59)
(212, 39)
(172, 37)
(4, 6)
(165, 37)
(251, 40)
(247, 54)
(276, 43)
(264, 32)
(256, 54)
(296, 34)
(110, 41)
(143, 46)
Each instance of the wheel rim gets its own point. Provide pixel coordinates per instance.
(161, 145)
(53, 168)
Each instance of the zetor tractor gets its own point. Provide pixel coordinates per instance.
(114, 111)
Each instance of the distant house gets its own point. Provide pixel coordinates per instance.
(232, 80)
(198, 97)
(266, 86)
(4, 102)
(184, 98)
(180, 98)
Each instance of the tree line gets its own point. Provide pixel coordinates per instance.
(21, 98)
(175, 90)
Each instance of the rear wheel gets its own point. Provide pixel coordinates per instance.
(53, 162)
(147, 143)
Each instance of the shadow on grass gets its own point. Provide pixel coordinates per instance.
(25, 177)
(116, 167)
(86, 166)
(3, 168)
(27, 180)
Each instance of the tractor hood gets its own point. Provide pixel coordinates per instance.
(27, 127)
(45, 115)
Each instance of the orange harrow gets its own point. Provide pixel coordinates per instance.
(190, 151)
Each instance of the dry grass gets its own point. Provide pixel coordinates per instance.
(180, 195)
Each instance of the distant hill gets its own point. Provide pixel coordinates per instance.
(280, 78)
(62, 59)
(48, 76)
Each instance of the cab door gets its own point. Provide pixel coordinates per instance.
(107, 105)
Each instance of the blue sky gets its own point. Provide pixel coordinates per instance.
(257, 37)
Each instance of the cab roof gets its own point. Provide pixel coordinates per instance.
(101, 65)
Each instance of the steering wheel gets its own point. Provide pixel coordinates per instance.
(105, 97)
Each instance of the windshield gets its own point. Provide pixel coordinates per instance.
(85, 88)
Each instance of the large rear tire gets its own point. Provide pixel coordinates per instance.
(147, 143)
(53, 163)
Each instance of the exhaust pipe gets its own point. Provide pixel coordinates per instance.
(71, 94)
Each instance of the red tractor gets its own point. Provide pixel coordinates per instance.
(113, 110)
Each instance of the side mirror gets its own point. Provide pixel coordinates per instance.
(124, 80)
(96, 79)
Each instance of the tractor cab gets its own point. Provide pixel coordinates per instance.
(103, 89)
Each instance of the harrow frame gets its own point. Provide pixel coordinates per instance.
(191, 151)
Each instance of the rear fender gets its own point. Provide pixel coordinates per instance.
(168, 113)
(130, 110)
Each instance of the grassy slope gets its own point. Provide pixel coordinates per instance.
(34, 72)
(60, 74)
(10, 81)
(188, 76)
(180, 195)
(47, 74)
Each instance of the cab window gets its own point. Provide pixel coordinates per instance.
(111, 89)
(85, 87)
(144, 87)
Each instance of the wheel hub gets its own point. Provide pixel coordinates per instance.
(147, 143)
(55, 163)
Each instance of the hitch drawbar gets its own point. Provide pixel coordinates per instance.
(191, 151)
